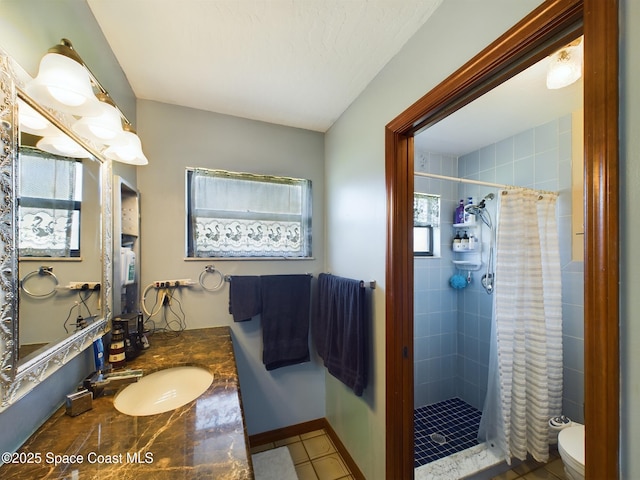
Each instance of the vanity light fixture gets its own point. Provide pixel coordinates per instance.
(103, 128)
(32, 122)
(65, 84)
(61, 144)
(565, 66)
(127, 148)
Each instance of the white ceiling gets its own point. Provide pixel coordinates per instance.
(301, 63)
(298, 63)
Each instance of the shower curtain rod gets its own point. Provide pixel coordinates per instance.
(462, 180)
(479, 182)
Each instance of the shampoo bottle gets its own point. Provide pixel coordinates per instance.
(459, 215)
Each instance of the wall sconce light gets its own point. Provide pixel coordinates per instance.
(565, 66)
(65, 84)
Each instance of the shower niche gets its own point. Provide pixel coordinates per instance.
(126, 234)
(467, 246)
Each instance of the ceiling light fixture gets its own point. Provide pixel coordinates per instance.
(65, 84)
(565, 66)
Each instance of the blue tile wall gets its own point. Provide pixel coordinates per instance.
(435, 310)
(452, 328)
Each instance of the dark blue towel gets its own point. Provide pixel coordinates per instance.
(340, 329)
(285, 319)
(245, 298)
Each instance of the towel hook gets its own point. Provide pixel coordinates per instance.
(210, 269)
(42, 271)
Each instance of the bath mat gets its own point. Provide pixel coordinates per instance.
(274, 464)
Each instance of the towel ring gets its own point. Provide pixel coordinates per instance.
(213, 270)
(42, 271)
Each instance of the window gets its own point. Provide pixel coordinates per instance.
(245, 215)
(426, 224)
(50, 196)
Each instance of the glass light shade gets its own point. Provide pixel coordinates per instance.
(64, 84)
(565, 67)
(61, 144)
(32, 122)
(127, 149)
(102, 128)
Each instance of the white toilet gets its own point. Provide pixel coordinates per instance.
(571, 448)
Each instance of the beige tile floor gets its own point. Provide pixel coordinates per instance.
(314, 456)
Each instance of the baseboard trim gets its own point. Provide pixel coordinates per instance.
(271, 436)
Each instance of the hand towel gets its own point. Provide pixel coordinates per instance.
(285, 319)
(341, 330)
(245, 298)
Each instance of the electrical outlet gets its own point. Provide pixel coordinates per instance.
(84, 286)
(185, 282)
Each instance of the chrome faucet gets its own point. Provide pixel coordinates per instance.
(104, 383)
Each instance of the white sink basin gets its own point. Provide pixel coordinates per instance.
(163, 390)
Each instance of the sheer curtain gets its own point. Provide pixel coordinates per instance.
(50, 192)
(247, 215)
(525, 376)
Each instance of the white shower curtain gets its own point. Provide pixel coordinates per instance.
(525, 368)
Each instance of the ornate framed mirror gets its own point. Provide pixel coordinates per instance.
(55, 241)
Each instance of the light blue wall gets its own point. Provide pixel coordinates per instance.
(355, 193)
(435, 302)
(178, 137)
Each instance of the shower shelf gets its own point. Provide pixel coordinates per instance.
(466, 225)
(467, 264)
(468, 259)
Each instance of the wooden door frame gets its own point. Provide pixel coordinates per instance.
(538, 34)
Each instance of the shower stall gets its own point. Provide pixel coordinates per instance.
(453, 326)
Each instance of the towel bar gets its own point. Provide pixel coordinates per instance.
(371, 284)
(227, 278)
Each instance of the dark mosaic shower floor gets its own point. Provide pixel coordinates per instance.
(444, 428)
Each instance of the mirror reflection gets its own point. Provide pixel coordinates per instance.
(58, 235)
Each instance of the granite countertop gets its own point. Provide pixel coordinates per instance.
(203, 439)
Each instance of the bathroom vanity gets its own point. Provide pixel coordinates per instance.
(205, 438)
